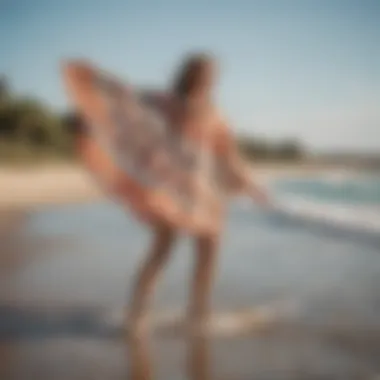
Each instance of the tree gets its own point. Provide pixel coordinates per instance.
(258, 149)
(29, 125)
(289, 150)
(4, 88)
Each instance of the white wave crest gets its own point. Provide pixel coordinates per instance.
(365, 218)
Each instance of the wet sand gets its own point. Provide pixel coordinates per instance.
(61, 306)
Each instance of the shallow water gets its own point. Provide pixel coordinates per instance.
(53, 309)
(346, 199)
(346, 189)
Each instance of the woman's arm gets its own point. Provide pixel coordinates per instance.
(240, 172)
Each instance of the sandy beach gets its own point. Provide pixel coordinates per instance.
(28, 187)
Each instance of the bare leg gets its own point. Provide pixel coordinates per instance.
(148, 275)
(203, 278)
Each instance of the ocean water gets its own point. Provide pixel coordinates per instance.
(345, 200)
(315, 261)
(347, 190)
(311, 241)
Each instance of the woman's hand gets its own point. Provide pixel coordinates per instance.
(239, 172)
(260, 196)
(244, 181)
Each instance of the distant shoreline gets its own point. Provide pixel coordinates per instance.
(27, 187)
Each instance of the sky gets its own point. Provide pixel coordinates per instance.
(304, 69)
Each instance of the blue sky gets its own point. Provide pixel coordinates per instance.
(308, 69)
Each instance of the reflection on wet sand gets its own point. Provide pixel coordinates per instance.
(198, 358)
(140, 361)
(280, 354)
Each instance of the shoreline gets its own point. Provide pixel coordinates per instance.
(23, 188)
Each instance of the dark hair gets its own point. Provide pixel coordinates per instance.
(187, 77)
(74, 123)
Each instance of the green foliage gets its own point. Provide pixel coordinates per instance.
(259, 150)
(29, 130)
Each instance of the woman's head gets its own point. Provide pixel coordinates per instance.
(196, 76)
(74, 124)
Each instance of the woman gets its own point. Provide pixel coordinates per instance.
(190, 110)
